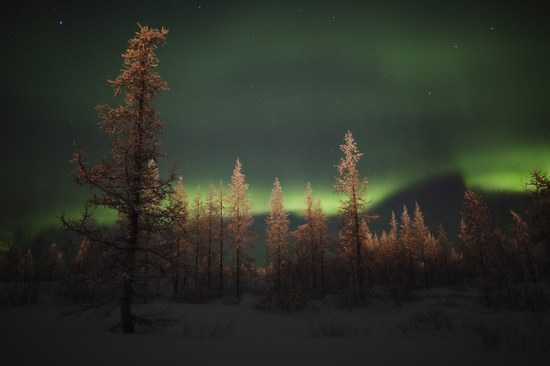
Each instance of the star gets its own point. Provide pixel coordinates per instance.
(60, 22)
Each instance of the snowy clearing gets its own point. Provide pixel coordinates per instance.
(445, 327)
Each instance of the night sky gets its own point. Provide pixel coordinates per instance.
(427, 88)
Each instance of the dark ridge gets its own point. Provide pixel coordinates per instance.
(440, 199)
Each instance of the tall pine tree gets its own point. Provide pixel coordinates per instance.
(352, 208)
(121, 179)
(240, 221)
(277, 231)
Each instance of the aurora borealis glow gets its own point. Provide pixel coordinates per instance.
(426, 87)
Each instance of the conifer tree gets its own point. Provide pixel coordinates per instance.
(475, 232)
(407, 240)
(277, 231)
(53, 261)
(309, 235)
(352, 209)
(121, 180)
(443, 254)
(181, 235)
(240, 221)
(211, 209)
(395, 261)
(522, 244)
(539, 191)
(320, 224)
(221, 199)
(421, 238)
(198, 221)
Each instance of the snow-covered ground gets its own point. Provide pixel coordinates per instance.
(444, 328)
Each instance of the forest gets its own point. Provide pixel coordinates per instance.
(168, 247)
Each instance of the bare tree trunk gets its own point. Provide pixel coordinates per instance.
(312, 248)
(238, 289)
(314, 275)
(126, 316)
(279, 269)
(322, 274)
(485, 277)
(184, 280)
(221, 241)
(424, 265)
(175, 282)
(359, 261)
(209, 251)
(411, 266)
(529, 264)
(197, 264)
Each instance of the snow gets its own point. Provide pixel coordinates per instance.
(221, 334)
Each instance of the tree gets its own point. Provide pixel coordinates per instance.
(395, 261)
(320, 225)
(539, 191)
(55, 262)
(123, 180)
(277, 230)
(198, 227)
(308, 236)
(211, 209)
(421, 237)
(407, 240)
(443, 254)
(522, 245)
(352, 209)
(220, 193)
(475, 232)
(181, 235)
(240, 220)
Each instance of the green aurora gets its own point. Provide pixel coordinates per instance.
(427, 89)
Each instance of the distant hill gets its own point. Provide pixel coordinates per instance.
(440, 199)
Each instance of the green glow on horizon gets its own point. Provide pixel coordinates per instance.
(505, 169)
(426, 90)
(495, 169)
